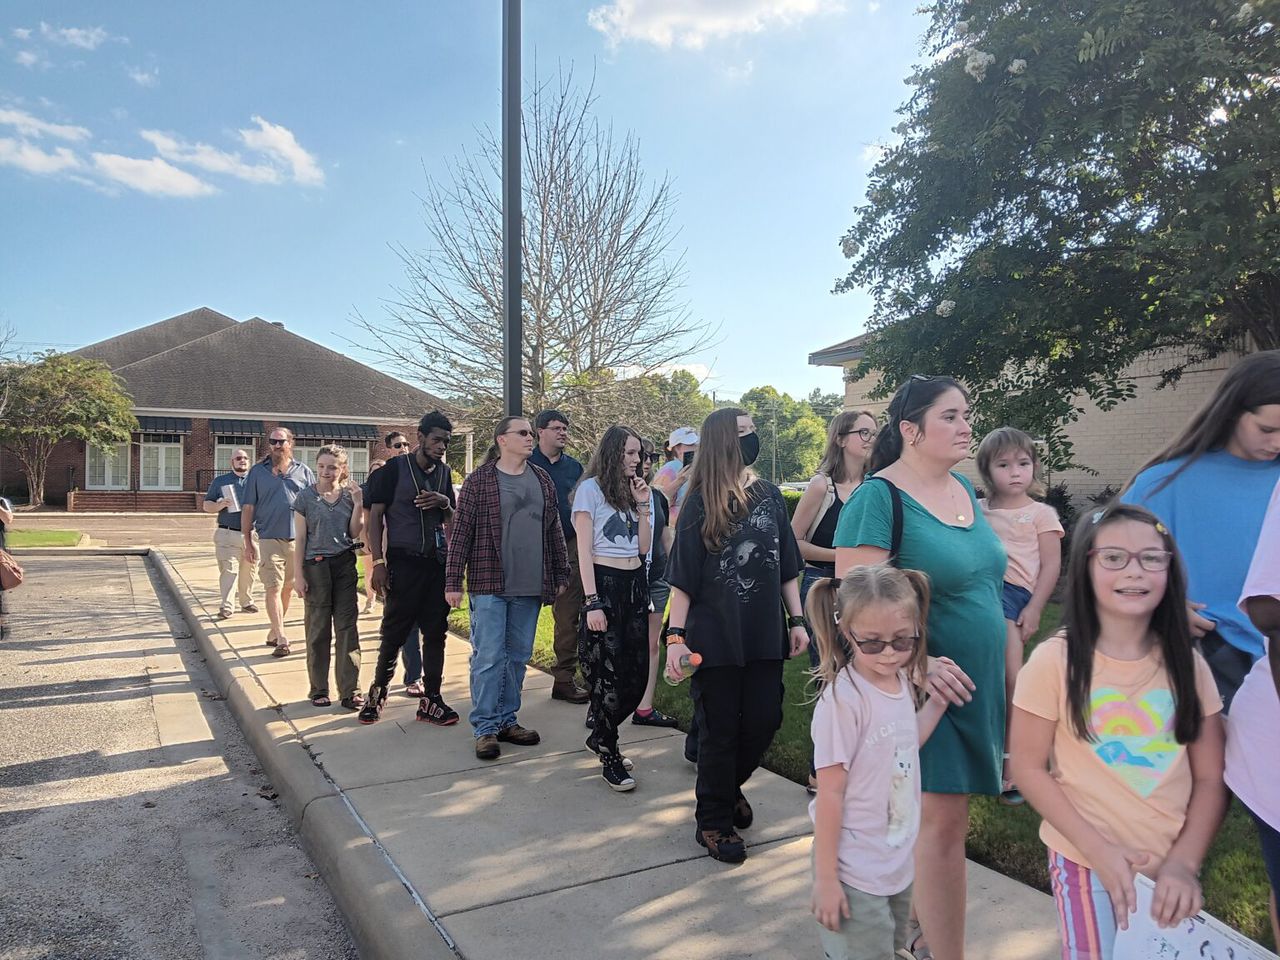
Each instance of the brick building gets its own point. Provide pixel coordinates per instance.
(1115, 443)
(203, 384)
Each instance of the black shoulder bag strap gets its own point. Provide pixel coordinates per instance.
(895, 497)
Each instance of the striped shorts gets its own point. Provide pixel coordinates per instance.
(1086, 919)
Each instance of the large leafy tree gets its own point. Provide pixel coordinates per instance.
(57, 397)
(1074, 185)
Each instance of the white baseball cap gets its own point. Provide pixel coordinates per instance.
(686, 435)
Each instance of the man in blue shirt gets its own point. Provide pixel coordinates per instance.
(267, 505)
(552, 428)
(227, 537)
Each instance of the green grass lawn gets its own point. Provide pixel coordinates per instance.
(1003, 838)
(43, 538)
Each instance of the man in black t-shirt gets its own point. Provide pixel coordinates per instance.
(412, 499)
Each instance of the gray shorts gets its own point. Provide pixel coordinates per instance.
(876, 927)
(659, 594)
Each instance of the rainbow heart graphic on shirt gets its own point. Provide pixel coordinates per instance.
(1135, 737)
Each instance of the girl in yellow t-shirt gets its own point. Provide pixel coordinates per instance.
(1130, 714)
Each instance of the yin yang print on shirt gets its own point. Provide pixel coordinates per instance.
(750, 558)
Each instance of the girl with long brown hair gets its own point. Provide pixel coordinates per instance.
(611, 520)
(734, 565)
(1211, 487)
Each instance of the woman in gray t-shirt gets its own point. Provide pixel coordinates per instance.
(328, 523)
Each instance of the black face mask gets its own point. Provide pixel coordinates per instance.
(750, 446)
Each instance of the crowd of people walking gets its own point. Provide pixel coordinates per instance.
(916, 600)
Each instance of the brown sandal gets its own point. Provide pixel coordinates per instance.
(281, 650)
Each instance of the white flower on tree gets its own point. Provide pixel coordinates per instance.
(946, 308)
(848, 247)
(977, 62)
(1018, 67)
(962, 28)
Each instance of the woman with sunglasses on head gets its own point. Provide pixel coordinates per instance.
(849, 440)
(1211, 486)
(612, 522)
(734, 566)
(945, 536)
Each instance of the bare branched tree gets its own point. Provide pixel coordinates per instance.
(602, 279)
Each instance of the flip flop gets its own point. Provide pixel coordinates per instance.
(281, 650)
(321, 702)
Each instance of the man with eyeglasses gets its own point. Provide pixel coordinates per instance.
(565, 472)
(411, 500)
(507, 540)
(269, 492)
(224, 498)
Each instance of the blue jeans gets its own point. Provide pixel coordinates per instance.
(411, 656)
(502, 631)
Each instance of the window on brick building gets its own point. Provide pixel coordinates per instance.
(307, 450)
(107, 468)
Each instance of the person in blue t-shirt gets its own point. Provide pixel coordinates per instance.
(1211, 487)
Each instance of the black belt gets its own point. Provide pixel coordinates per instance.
(223, 526)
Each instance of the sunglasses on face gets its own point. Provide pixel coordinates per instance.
(400, 446)
(899, 644)
(521, 433)
(1118, 558)
(866, 434)
(275, 442)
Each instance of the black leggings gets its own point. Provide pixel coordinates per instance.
(616, 662)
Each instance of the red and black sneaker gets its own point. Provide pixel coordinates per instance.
(371, 712)
(433, 709)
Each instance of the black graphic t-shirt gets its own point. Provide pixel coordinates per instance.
(735, 613)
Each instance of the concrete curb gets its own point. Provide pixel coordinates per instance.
(386, 917)
(80, 551)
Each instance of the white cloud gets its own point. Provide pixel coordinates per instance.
(210, 159)
(21, 33)
(29, 126)
(154, 176)
(27, 58)
(692, 23)
(86, 38)
(280, 144)
(143, 77)
(873, 6)
(739, 73)
(28, 157)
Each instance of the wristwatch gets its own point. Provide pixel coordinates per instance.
(796, 620)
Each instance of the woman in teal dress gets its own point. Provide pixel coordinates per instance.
(945, 535)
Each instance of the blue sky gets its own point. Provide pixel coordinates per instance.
(260, 158)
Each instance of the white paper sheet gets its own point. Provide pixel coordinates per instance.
(1201, 937)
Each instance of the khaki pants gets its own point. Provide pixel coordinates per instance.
(566, 609)
(228, 545)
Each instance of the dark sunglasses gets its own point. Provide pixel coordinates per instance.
(277, 443)
(400, 446)
(520, 433)
(899, 644)
(906, 391)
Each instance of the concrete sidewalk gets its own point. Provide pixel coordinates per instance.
(531, 855)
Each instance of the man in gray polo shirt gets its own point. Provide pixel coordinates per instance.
(269, 492)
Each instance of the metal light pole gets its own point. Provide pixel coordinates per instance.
(512, 281)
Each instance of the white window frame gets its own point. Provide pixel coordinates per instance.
(163, 446)
(115, 467)
(308, 451)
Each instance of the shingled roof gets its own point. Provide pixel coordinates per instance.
(156, 338)
(840, 353)
(254, 367)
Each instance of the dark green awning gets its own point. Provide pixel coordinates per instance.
(332, 431)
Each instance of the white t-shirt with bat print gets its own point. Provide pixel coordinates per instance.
(614, 533)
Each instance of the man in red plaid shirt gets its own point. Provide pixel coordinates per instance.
(506, 537)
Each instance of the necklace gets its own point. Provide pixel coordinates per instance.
(960, 515)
